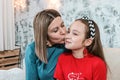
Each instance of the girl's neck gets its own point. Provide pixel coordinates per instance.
(78, 53)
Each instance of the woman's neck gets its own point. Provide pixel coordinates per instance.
(78, 53)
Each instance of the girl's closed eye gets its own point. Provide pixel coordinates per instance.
(68, 31)
(74, 33)
(63, 25)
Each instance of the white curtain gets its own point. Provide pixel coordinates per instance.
(7, 27)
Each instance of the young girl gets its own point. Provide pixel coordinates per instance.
(86, 61)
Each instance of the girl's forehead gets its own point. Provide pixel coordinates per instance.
(77, 24)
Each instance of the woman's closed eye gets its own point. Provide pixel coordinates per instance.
(55, 29)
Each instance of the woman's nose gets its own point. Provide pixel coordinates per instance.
(63, 31)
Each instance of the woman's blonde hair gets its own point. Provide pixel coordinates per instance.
(41, 23)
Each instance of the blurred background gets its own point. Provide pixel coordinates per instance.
(106, 13)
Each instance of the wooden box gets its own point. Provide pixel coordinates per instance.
(9, 59)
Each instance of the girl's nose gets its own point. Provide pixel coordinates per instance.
(67, 36)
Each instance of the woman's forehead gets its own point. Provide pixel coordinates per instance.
(55, 22)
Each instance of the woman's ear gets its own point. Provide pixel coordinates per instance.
(88, 42)
(48, 43)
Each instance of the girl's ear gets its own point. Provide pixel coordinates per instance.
(88, 42)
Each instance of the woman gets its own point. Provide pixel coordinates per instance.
(42, 54)
(86, 61)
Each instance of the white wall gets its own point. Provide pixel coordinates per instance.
(112, 56)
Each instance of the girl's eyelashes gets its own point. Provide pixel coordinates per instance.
(68, 31)
(75, 33)
(62, 25)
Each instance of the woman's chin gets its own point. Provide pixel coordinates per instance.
(67, 46)
(62, 42)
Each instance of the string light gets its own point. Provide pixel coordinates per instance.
(55, 4)
(20, 4)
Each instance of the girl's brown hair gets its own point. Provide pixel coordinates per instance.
(96, 47)
(41, 23)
